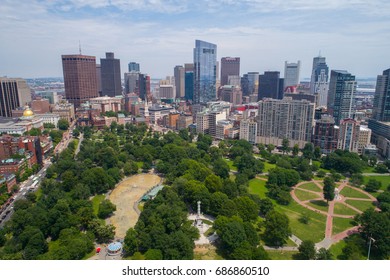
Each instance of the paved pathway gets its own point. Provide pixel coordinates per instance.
(329, 237)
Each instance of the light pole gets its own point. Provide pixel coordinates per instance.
(369, 247)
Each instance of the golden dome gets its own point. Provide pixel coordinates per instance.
(28, 112)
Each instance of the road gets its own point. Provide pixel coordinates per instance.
(27, 186)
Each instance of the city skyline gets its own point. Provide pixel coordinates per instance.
(160, 34)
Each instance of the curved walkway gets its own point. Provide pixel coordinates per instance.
(329, 238)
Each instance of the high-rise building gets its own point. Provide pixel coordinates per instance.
(316, 61)
(232, 94)
(189, 81)
(325, 135)
(134, 66)
(131, 79)
(99, 78)
(111, 75)
(291, 74)
(250, 83)
(230, 66)
(248, 130)
(286, 118)
(205, 72)
(269, 85)
(381, 110)
(319, 81)
(14, 93)
(179, 74)
(342, 87)
(348, 135)
(79, 78)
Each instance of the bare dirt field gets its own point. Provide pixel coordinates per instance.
(124, 196)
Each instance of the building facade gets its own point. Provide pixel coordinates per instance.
(111, 75)
(269, 85)
(381, 110)
(14, 93)
(230, 66)
(79, 78)
(325, 135)
(286, 118)
(291, 74)
(319, 85)
(179, 74)
(134, 66)
(205, 72)
(342, 88)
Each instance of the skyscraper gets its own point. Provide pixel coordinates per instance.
(269, 85)
(205, 71)
(79, 78)
(252, 79)
(111, 75)
(14, 93)
(287, 118)
(134, 66)
(319, 80)
(179, 81)
(189, 81)
(230, 66)
(342, 87)
(291, 74)
(381, 110)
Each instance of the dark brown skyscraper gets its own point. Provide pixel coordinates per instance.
(79, 78)
(230, 66)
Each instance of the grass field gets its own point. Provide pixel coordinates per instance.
(385, 180)
(349, 192)
(341, 224)
(96, 200)
(206, 252)
(268, 166)
(336, 249)
(230, 163)
(310, 187)
(257, 186)
(319, 204)
(303, 195)
(313, 231)
(281, 255)
(341, 209)
(359, 204)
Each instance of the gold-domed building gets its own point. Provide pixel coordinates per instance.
(28, 113)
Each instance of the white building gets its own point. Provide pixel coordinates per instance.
(49, 118)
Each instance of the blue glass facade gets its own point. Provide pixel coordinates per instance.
(189, 85)
(205, 72)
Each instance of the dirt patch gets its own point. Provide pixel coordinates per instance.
(124, 196)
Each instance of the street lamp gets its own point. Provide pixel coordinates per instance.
(369, 247)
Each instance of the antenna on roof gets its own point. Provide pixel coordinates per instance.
(319, 54)
(79, 47)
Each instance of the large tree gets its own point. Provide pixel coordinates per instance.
(329, 189)
(277, 228)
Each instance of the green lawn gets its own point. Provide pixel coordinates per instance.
(281, 255)
(303, 195)
(336, 249)
(341, 209)
(359, 204)
(257, 186)
(341, 224)
(310, 187)
(385, 180)
(96, 200)
(314, 230)
(268, 166)
(319, 204)
(349, 192)
(230, 163)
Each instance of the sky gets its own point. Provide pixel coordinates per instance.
(353, 35)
